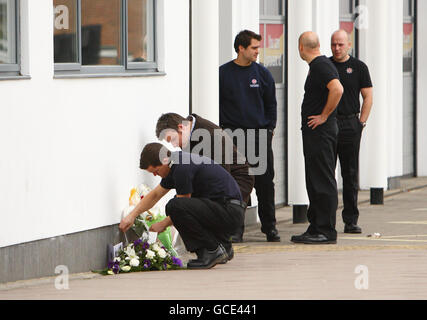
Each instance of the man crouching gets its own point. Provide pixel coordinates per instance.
(207, 209)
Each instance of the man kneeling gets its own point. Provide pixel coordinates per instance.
(207, 209)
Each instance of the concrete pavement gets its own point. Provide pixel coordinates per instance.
(393, 266)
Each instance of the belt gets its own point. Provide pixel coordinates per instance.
(347, 116)
(238, 203)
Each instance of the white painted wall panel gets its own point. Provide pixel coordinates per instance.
(421, 90)
(70, 147)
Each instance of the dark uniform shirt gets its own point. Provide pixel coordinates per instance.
(322, 71)
(247, 97)
(354, 76)
(200, 176)
(239, 168)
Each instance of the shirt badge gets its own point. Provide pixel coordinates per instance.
(349, 70)
(254, 83)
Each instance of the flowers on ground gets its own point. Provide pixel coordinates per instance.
(141, 256)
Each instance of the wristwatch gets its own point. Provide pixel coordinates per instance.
(363, 124)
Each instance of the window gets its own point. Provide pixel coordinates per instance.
(9, 60)
(272, 30)
(347, 18)
(408, 35)
(104, 36)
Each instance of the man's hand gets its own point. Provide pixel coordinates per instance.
(126, 223)
(315, 121)
(158, 227)
(161, 226)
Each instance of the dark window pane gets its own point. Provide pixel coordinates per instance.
(273, 7)
(140, 30)
(101, 32)
(407, 8)
(272, 50)
(7, 32)
(65, 31)
(346, 7)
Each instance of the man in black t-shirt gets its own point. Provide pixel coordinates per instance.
(207, 209)
(323, 92)
(355, 78)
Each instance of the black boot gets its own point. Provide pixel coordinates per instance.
(207, 259)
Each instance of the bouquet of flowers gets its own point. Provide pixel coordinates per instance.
(146, 219)
(142, 256)
(151, 251)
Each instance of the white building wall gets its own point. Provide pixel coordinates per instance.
(205, 58)
(325, 22)
(421, 90)
(373, 149)
(300, 20)
(70, 147)
(394, 131)
(235, 16)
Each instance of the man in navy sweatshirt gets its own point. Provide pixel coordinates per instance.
(247, 101)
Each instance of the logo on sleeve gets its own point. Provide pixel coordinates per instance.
(254, 83)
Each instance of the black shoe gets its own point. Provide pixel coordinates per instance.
(207, 259)
(312, 239)
(352, 228)
(236, 239)
(273, 236)
(300, 238)
(229, 255)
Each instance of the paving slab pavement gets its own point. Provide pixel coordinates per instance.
(393, 266)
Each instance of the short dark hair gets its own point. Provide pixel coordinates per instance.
(168, 121)
(244, 39)
(150, 155)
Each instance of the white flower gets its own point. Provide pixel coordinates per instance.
(126, 268)
(134, 262)
(117, 259)
(155, 247)
(110, 272)
(150, 254)
(130, 252)
(161, 253)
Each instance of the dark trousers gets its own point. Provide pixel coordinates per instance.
(320, 147)
(264, 185)
(264, 188)
(204, 223)
(349, 135)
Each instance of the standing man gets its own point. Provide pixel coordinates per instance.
(355, 78)
(247, 100)
(179, 131)
(323, 92)
(206, 210)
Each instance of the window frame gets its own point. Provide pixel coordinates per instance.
(76, 68)
(411, 19)
(11, 69)
(279, 20)
(351, 17)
